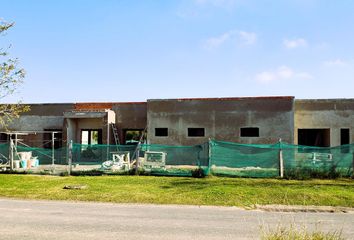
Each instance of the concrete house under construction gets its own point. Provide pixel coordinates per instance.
(323, 122)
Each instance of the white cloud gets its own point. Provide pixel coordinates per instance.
(281, 73)
(335, 62)
(266, 77)
(241, 37)
(284, 72)
(248, 38)
(295, 43)
(215, 42)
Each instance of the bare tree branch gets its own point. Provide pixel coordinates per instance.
(11, 76)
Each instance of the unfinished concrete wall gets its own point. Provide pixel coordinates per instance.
(76, 121)
(41, 117)
(48, 109)
(89, 123)
(71, 130)
(222, 119)
(130, 116)
(36, 123)
(325, 113)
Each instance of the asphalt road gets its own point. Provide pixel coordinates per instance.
(22, 219)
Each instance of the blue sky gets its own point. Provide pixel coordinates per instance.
(78, 51)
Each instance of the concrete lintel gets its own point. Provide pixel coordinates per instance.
(85, 114)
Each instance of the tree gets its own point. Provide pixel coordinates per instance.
(11, 76)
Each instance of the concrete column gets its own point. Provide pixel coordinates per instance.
(71, 130)
(335, 136)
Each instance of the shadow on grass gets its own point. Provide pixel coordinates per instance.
(257, 183)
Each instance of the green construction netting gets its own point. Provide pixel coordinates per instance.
(4, 153)
(45, 156)
(244, 160)
(215, 158)
(262, 160)
(322, 162)
(109, 158)
(97, 154)
(153, 159)
(173, 160)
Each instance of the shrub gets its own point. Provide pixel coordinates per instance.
(309, 173)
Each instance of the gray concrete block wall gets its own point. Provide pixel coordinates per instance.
(40, 117)
(325, 113)
(129, 116)
(222, 119)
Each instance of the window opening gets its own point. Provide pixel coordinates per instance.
(314, 137)
(161, 132)
(196, 132)
(249, 132)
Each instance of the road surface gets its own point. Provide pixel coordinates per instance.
(24, 219)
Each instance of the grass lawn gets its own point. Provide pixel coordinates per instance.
(178, 190)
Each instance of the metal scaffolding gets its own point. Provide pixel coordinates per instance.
(14, 141)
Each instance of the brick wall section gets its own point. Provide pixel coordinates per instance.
(93, 106)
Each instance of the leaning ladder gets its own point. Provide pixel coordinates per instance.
(135, 154)
(115, 133)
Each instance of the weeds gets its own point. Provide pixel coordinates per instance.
(293, 233)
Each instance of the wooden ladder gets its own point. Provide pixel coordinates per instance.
(115, 133)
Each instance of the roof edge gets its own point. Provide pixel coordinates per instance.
(224, 98)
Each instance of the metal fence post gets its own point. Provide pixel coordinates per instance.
(11, 154)
(353, 165)
(53, 149)
(209, 155)
(137, 159)
(281, 161)
(70, 156)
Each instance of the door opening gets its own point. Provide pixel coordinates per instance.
(344, 136)
(91, 136)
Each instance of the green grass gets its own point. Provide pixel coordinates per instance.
(180, 190)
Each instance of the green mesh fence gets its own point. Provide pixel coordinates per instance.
(102, 157)
(215, 157)
(304, 161)
(263, 160)
(4, 154)
(33, 159)
(244, 160)
(45, 156)
(173, 160)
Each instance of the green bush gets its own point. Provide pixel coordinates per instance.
(310, 173)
